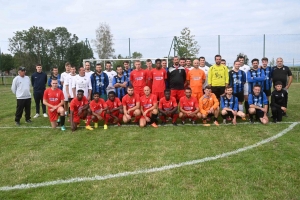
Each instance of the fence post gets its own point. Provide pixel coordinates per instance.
(264, 46)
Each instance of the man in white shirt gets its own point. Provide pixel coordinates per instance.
(63, 79)
(87, 67)
(111, 74)
(245, 68)
(81, 82)
(204, 68)
(69, 80)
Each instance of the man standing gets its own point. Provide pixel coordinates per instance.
(55, 75)
(54, 100)
(205, 69)
(127, 70)
(218, 77)
(99, 82)
(282, 73)
(237, 79)
(255, 76)
(81, 82)
(165, 67)
(21, 88)
(38, 81)
(278, 102)
(189, 107)
(229, 106)
(176, 79)
(63, 79)
(148, 71)
(245, 68)
(196, 78)
(148, 108)
(68, 84)
(120, 82)
(110, 74)
(158, 76)
(138, 78)
(87, 68)
(258, 105)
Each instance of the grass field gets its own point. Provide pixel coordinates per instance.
(38, 155)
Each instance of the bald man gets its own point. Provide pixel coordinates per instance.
(148, 108)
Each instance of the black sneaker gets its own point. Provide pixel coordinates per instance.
(174, 124)
(163, 123)
(17, 123)
(194, 122)
(274, 121)
(251, 121)
(182, 122)
(28, 121)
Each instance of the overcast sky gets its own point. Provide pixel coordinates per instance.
(151, 25)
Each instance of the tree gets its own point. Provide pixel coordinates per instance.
(136, 55)
(77, 52)
(186, 46)
(103, 41)
(246, 59)
(7, 62)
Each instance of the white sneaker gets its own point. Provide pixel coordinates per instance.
(45, 115)
(36, 115)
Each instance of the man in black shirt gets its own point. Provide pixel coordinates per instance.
(278, 102)
(283, 74)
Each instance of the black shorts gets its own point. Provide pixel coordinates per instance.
(240, 96)
(70, 99)
(267, 92)
(259, 113)
(218, 90)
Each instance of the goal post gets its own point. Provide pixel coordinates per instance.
(120, 61)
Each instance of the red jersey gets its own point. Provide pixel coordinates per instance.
(147, 103)
(130, 101)
(158, 77)
(138, 79)
(53, 97)
(77, 105)
(96, 107)
(167, 105)
(113, 104)
(188, 104)
(149, 78)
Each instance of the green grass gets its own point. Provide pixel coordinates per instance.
(270, 171)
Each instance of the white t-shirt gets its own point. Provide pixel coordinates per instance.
(63, 78)
(110, 75)
(68, 82)
(82, 83)
(245, 68)
(88, 74)
(205, 69)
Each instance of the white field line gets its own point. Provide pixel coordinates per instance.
(132, 125)
(151, 170)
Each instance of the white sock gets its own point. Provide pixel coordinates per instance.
(241, 107)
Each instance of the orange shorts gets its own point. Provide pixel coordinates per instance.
(197, 95)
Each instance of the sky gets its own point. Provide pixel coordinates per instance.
(151, 25)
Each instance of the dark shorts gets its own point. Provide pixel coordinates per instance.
(70, 99)
(218, 90)
(259, 113)
(240, 96)
(230, 114)
(267, 92)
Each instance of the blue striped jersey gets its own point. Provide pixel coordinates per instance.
(260, 100)
(58, 80)
(231, 103)
(237, 80)
(255, 77)
(99, 83)
(120, 91)
(268, 78)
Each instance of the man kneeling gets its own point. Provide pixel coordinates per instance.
(229, 106)
(115, 109)
(168, 108)
(148, 108)
(131, 106)
(189, 107)
(54, 99)
(258, 105)
(98, 108)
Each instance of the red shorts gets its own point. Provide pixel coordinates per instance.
(197, 95)
(53, 116)
(148, 115)
(177, 94)
(159, 95)
(139, 92)
(77, 118)
(115, 113)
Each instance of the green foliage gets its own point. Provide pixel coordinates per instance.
(6, 62)
(77, 52)
(136, 55)
(185, 44)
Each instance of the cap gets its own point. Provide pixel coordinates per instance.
(22, 69)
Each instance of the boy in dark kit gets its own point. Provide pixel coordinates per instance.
(278, 102)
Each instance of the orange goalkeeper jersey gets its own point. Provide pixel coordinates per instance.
(206, 102)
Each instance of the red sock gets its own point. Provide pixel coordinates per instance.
(163, 118)
(175, 117)
(120, 117)
(194, 118)
(107, 116)
(88, 120)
